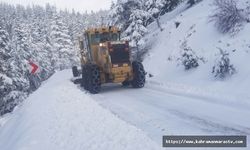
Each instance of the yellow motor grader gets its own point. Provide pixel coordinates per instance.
(106, 59)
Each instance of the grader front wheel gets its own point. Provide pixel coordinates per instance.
(93, 80)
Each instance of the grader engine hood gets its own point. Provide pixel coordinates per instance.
(119, 52)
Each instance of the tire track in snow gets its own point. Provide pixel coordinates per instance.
(212, 126)
(198, 94)
(157, 112)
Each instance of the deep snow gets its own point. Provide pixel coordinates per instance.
(61, 116)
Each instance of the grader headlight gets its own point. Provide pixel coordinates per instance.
(102, 45)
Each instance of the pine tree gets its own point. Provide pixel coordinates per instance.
(21, 54)
(169, 5)
(64, 55)
(5, 81)
(188, 58)
(223, 67)
(40, 45)
(4, 50)
(12, 86)
(116, 14)
(122, 11)
(136, 29)
(154, 8)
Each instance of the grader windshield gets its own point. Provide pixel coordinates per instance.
(104, 37)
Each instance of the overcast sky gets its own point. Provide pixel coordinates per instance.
(78, 5)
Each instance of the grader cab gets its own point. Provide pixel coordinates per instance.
(106, 59)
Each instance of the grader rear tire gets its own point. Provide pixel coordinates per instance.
(84, 77)
(75, 71)
(139, 75)
(125, 83)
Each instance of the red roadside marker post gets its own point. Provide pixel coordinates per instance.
(34, 67)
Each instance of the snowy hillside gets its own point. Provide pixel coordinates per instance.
(203, 38)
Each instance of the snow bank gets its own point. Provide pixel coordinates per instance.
(60, 116)
(4, 119)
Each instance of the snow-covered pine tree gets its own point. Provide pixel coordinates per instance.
(64, 55)
(46, 67)
(136, 30)
(73, 25)
(68, 54)
(188, 58)
(223, 67)
(8, 15)
(40, 54)
(5, 81)
(21, 54)
(117, 14)
(168, 5)
(76, 25)
(120, 13)
(4, 50)
(15, 83)
(154, 7)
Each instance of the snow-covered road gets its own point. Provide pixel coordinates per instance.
(161, 111)
(62, 116)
